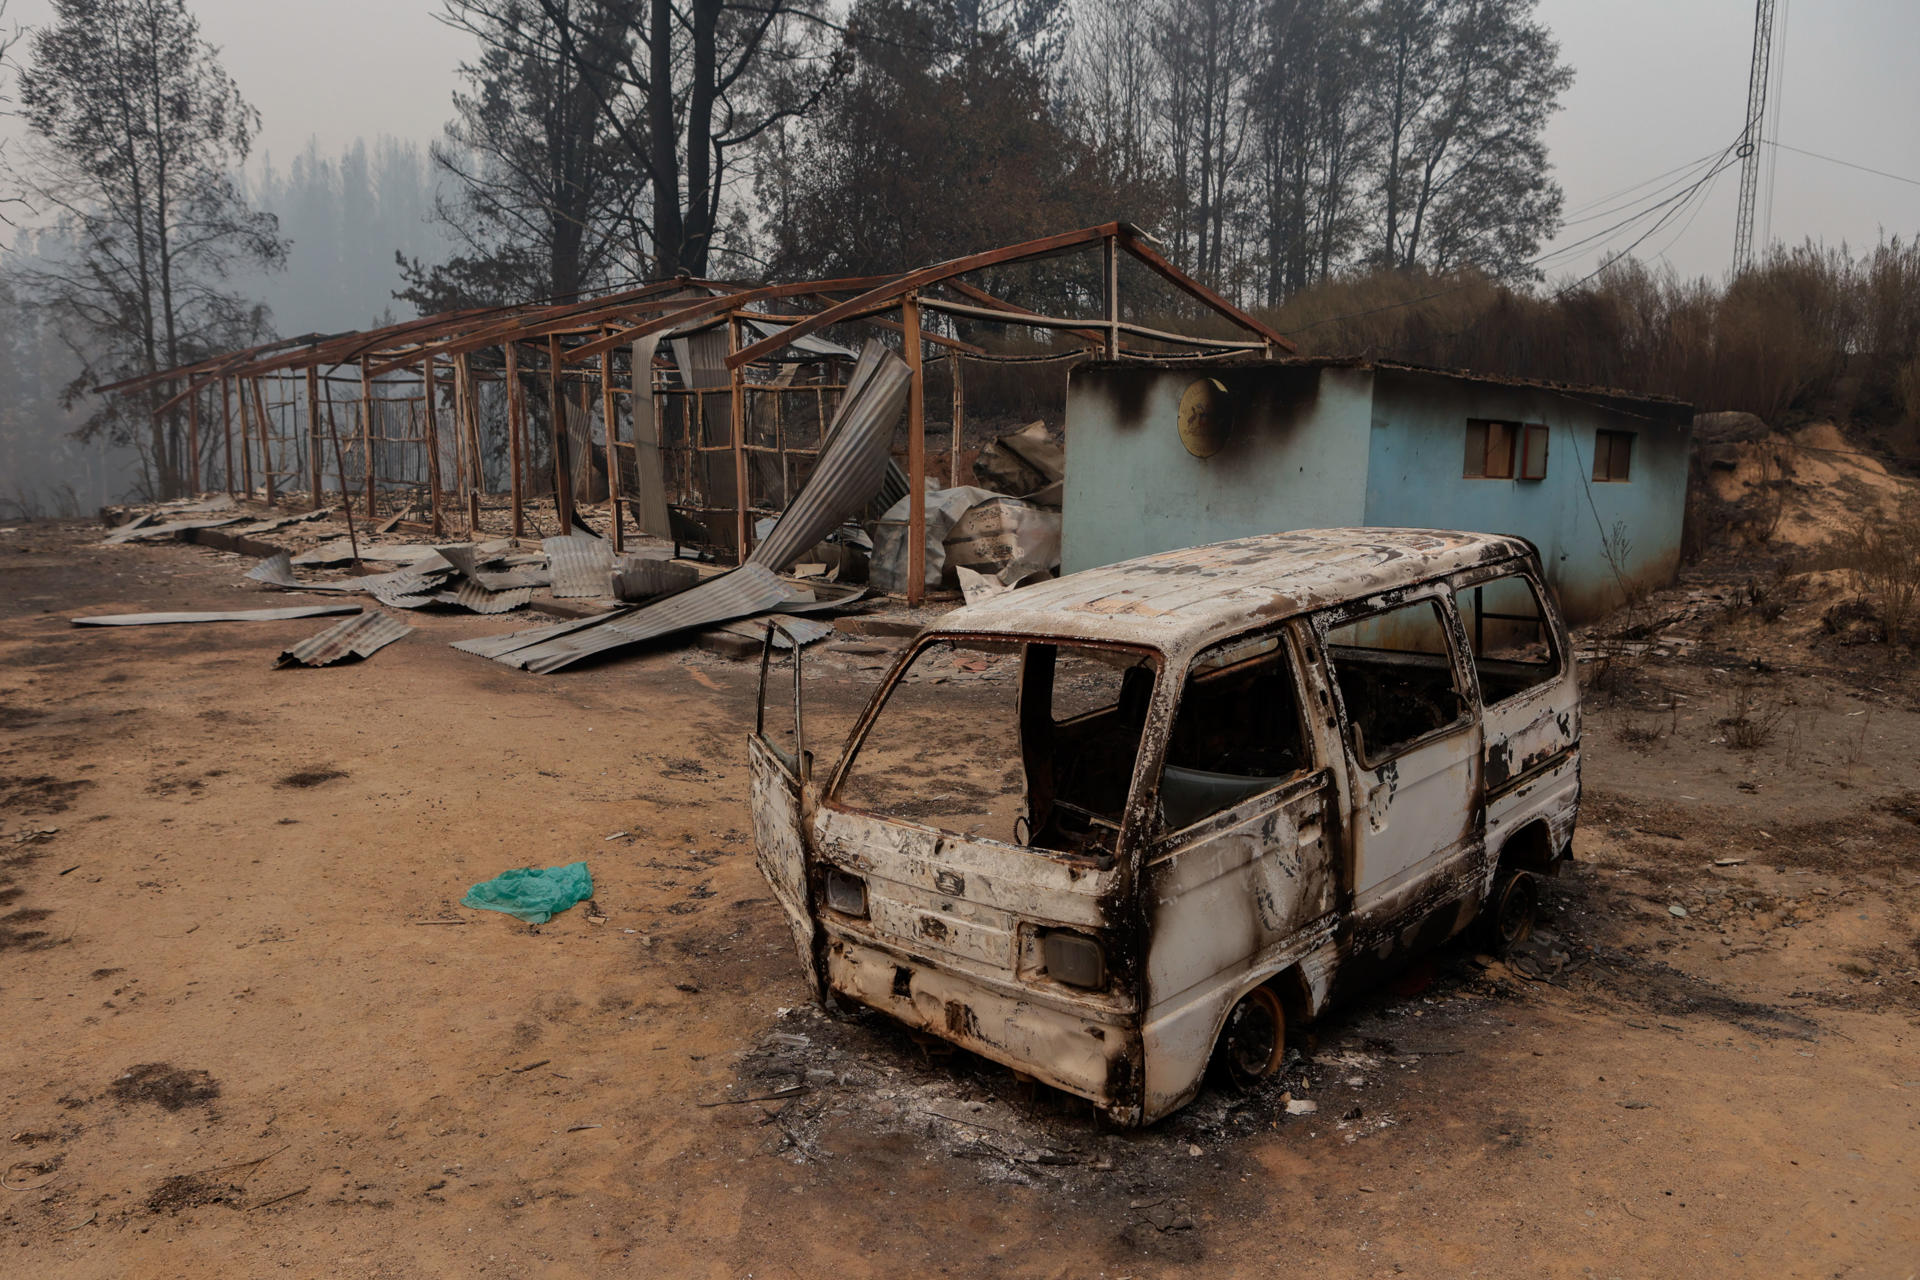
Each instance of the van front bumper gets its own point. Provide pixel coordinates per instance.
(1092, 1053)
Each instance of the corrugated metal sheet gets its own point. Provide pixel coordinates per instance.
(149, 532)
(639, 578)
(805, 630)
(849, 471)
(360, 637)
(231, 615)
(749, 589)
(472, 595)
(512, 579)
(852, 463)
(582, 566)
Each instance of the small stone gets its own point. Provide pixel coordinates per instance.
(1194, 1150)
(1675, 909)
(1301, 1106)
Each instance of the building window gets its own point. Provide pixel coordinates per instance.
(1493, 449)
(1612, 455)
(1489, 450)
(1533, 452)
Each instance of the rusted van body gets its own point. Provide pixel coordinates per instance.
(1109, 829)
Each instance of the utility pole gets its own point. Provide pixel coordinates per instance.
(1750, 139)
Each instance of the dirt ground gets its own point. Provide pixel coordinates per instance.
(250, 1031)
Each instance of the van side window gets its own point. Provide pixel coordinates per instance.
(1237, 732)
(1395, 677)
(1508, 633)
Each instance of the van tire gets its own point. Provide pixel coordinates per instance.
(1253, 1040)
(1508, 919)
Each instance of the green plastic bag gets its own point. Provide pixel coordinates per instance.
(533, 896)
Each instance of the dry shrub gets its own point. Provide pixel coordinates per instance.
(1809, 328)
(1751, 717)
(1883, 557)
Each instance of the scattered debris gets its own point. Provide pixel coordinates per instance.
(360, 637)
(229, 615)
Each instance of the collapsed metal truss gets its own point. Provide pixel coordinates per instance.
(633, 347)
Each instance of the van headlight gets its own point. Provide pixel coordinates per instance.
(1073, 958)
(846, 893)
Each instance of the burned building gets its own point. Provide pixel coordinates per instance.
(1171, 453)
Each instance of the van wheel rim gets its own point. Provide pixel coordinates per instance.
(1517, 904)
(1255, 1037)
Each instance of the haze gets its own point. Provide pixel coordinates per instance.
(1659, 83)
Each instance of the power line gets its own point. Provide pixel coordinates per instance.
(1678, 201)
(1599, 200)
(1847, 164)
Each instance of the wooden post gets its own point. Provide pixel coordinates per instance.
(562, 455)
(613, 448)
(959, 420)
(742, 525)
(516, 427)
(433, 446)
(1112, 246)
(916, 453)
(366, 433)
(316, 457)
(193, 440)
(246, 449)
(266, 445)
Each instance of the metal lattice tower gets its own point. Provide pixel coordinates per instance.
(1750, 139)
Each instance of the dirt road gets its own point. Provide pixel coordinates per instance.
(249, 1029)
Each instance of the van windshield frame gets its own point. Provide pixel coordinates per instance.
(1069, 760)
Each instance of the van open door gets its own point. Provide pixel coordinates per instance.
(778, 797)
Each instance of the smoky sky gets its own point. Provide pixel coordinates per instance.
(1659, 84)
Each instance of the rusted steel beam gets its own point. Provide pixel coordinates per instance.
(1036, 321)
(366, 434)
(893, 326)
(246, 446)
(725, 303)
(545, 321)
(433, 446)
(613, 448)
(924, 276)
(266, 443)
(1133, 244)
(562, 459)
(516, 444)
(959, 423)
(211, 364)
(193, 443)
(738, 411)
(316, 458)
(226, 419)
(916, 452)
(975, 293)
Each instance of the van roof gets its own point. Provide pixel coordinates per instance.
(1176, 600)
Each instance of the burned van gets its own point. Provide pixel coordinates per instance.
(1111, 829)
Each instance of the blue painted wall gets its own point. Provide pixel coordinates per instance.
(1315, 446)
(1295, 458)
(1414, 477)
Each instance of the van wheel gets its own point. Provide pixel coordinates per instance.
(1254, 1041)
(1511, 910)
